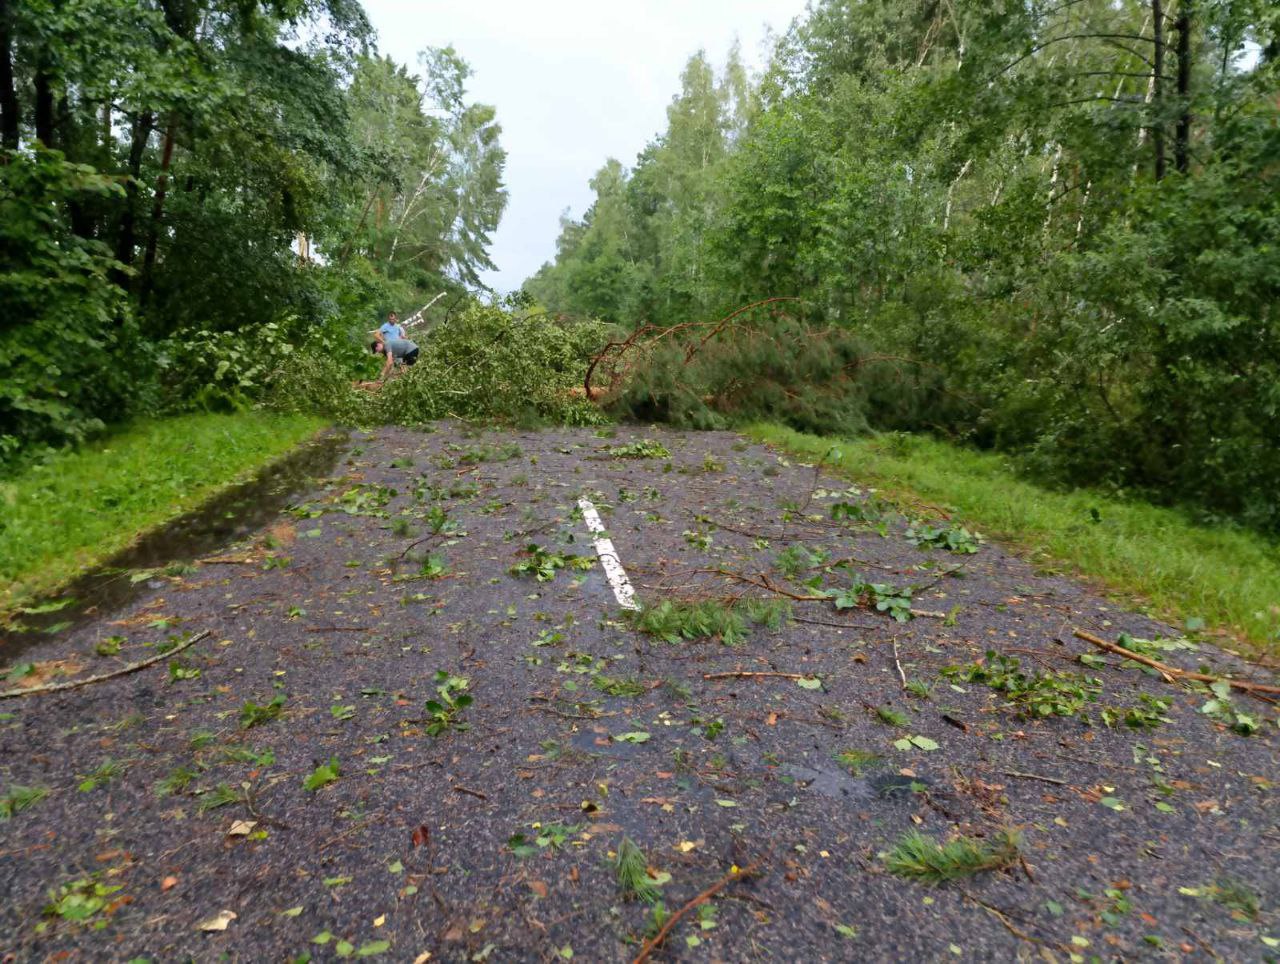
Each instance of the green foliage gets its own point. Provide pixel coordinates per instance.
(1224, 710)
(543, 836)
(949, 537)
(69, 349)
(644, 449)
(489, 453)
(484, 362)
(891, 717)
(631, 870)
(886, 598)
(1039, 694)
(443, 713)
(793, 560)
(220, 796)
(872, 510)
(18, 798)
(433, 567)
(1147, 715)
(674, 621)
(543, 564)
(105, 772)
(253, 714)
(176, 781)
(616, 686)
(80, 900)
(323, 775)
(856, 761)
(920, 858)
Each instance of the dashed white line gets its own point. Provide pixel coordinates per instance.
(613, 570)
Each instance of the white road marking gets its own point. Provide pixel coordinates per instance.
(613, 570)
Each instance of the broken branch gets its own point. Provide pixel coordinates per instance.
(1172, 673)
(132, 667)
(655, 942)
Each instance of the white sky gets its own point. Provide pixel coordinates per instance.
(574, 82)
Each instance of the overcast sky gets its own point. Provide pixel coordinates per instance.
(574, 82)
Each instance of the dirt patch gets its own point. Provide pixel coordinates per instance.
(488, 830)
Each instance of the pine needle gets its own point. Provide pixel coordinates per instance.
(920, 858)
(632, 870)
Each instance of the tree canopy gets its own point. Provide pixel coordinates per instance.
(1050, 225)
(176, 169)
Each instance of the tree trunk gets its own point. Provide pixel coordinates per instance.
(142, 126)
(44, 106)
(157, 205)
(1157, 78)
(1182, 134)
(9, 126)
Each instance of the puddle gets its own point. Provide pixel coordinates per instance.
(225, 518)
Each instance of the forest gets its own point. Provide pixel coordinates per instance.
(1045, 229)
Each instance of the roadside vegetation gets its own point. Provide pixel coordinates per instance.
(1201, 576)
(72, 510)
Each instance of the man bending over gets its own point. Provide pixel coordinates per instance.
(399, 353)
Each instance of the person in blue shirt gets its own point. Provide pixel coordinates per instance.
(391, 328)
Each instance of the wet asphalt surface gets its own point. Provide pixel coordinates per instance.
(165, 812)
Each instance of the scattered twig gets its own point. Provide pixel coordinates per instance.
(570, 716)
(350, 830)
(1034, 776)
(898, 663)
(414, 545)
(338, 629)
(655, 942)
(471, 793)
(928, 614)
(828, 622)
(1172, 673)
(250, 803)
(1203, 946)
(227, 561)
(132, 667)
(1003, 918)
(745, 674)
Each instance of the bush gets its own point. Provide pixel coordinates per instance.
(482, 363)
(69, 348)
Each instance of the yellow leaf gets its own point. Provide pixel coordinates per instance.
(379, 920)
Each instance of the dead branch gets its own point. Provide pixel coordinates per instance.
(132, 667)
(1034, 776)
(1172, 673)
(655, 942)
(745, 674)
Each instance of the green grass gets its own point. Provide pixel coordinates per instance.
(1180, 570)
(77, 509)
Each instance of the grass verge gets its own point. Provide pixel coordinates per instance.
(1180, 570)
(79, 508)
